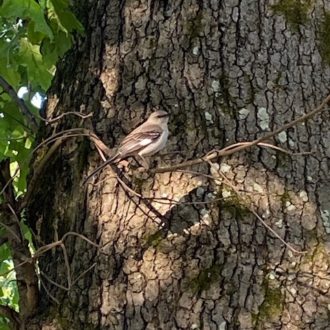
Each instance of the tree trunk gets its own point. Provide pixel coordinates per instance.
(226, 71)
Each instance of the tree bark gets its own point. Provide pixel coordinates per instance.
(226, 71)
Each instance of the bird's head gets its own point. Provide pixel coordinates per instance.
(159, 117)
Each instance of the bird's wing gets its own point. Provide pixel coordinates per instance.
(139, 138)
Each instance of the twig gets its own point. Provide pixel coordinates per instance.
(228, 183)
(66, 262)
(9, 181)
(10, 231)
(47, 291)
(230, 150)
(45, 248)
(83, 274)
(78, 114)
(21, 104)
(72, 233)
(60, 286)
(16, 219)
(289, 246)
(12, 315)
(59, 138)
(38, 171)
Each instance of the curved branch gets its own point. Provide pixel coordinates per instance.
(245, 145)
(58, 139)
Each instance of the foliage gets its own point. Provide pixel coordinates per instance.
(34, 35)
(325, 38)
(294, 11)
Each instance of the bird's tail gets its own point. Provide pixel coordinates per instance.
(111, 160)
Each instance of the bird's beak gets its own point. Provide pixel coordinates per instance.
(164, 116)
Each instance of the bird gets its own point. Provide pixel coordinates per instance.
(144, 141)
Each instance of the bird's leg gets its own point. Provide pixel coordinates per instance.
(123, 164)
(144, 162)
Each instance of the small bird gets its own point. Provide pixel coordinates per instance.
(146, 140)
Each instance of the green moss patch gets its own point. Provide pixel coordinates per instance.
(205, 279)
(295, 12)
(325, 38)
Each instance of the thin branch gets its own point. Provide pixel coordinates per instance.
(47, 291)
(43, 249)
(83, 274)
(38, 171)
(9, 181)
(21, 104)
(11, 231)
(164, 221)
(289, 246)
(72, 233)
(78, 114)
(66, 262)
(16, 219)
(59, 138)
(60, 286)
(230, 150)
(228, 183)
(11, 315)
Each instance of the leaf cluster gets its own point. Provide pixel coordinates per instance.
(34, 35)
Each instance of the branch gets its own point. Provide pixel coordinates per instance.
(245, 145)
(250, 208)
(27, 280)
(59, 138)
(78, 114)
(12, 315)
(38, 171)
(21, 104)
(6, 186)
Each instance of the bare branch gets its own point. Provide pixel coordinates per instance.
(67, 265)
(72, 233)
(9, 181)
(12, 315)
(249, 207)
(74, 113)
(47, 291)
(48, 247)
(245, 145)
(11, 231)
(38, 171)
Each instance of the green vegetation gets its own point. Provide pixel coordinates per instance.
(235, 207)
(325, 38)
(194, 26)
(294, 11)
(34, 35)
(271, 308)
(155, 239)
(204, 279)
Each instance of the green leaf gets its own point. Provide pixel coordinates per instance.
(31, 58)
(4, 252)
(29, 9)
(52, 50)
(8, 68)
(4, 323)
(66, 19)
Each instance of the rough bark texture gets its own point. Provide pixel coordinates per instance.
(226, 71)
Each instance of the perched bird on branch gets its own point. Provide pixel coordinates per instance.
(144, 141)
